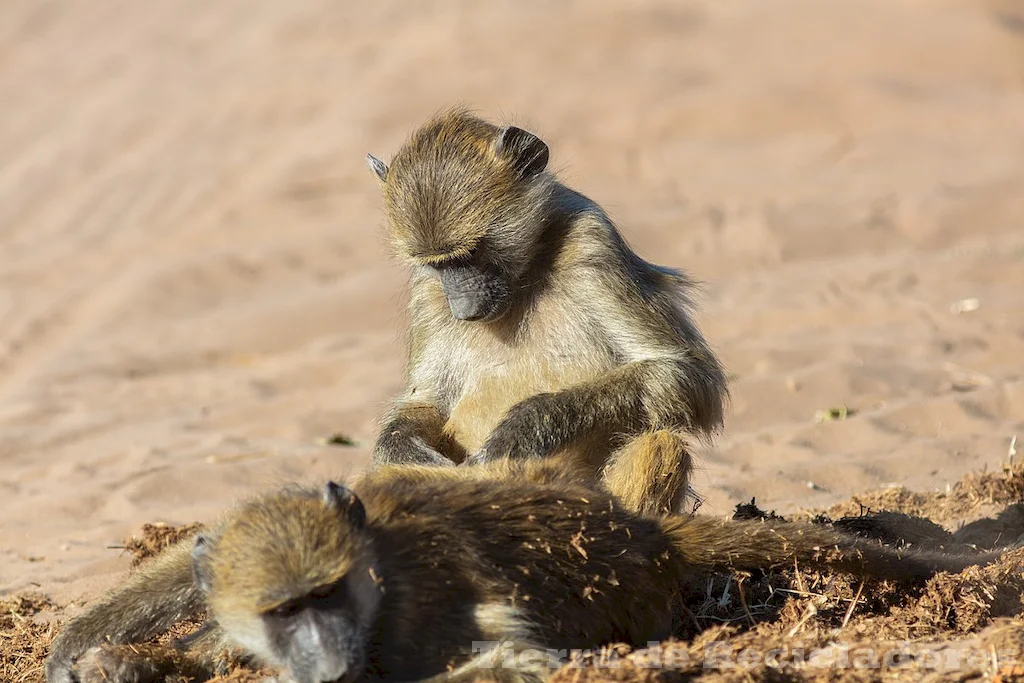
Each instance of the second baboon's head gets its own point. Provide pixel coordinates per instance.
(466, 202)
(291, 579)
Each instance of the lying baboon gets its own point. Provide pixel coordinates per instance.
(534, 329)
(419, 572)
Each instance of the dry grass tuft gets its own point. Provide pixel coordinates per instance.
(24, 642)
(154, 538)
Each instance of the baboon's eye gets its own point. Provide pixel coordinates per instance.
(329, 596)
(285, 609)
(461, 261)
(325, 591)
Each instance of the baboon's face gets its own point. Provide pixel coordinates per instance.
(291, 581)
(317, 637)
(466, 204)
(476, 290)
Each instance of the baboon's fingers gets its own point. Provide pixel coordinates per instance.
(411, 451)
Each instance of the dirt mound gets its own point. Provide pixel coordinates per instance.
(791, 625)
(975, 491)
(155, 537)
(24, 643)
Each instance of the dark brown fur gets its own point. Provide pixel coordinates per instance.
(518, 553)
(585, 350)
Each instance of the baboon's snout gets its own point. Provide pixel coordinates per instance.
(472, 294)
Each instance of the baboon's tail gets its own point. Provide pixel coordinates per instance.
(753, 544)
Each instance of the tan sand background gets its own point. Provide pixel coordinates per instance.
(194, 285)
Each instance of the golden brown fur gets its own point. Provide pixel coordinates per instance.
(568, 344)
(413, 565)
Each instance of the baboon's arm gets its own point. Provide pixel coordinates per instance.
(159, 594)
(670, 380)
(412, 432)
(626, 400)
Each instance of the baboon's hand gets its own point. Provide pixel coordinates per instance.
(399, 449)
(103, 664)
(63, 652)
(422, 454)
(143, 663)
(529, 430)
(58, 669)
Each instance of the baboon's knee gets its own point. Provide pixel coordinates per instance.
(651, 473)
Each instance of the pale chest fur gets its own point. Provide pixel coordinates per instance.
(557, 349)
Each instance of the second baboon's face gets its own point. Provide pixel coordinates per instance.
(292, 580)
(318, 637)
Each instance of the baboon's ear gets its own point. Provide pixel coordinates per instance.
(379, 168)
(344, 501)
(529, 154)
(202, 572)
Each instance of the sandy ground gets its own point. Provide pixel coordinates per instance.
(194, 285)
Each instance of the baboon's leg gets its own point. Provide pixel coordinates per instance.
(651, 473)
